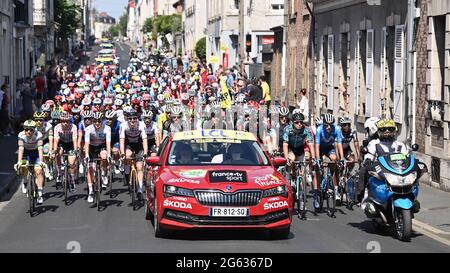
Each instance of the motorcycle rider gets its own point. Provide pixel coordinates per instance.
(385, 144)
(372, 132)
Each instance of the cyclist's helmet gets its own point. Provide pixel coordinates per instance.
(64, 116)
(108, 101)
(29, 124)
(86, 101)
(118, 102)
(283, 111)
(147, 114)
(45, 108)
(132, 113)
(38, 115)
(295, 111)
(55, 115)
(319, 121)
(298, 117)
(88, 114)
(160, 97)
(215, 104)
(328, 119)
(110, 114)
(176, 111)
(146, 97)
(97, 115)
(344, 120)
(76, 110)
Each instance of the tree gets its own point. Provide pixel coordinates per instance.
(168, 24)
(67, 19)
(123, 22)
(200, 49)
(113, 31)
(148, 25)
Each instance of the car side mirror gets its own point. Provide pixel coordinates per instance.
(279, 161)
(152, 160)
(415, 147)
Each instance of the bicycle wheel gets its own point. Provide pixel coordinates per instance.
(111, 180)
(66, 183)
(133, 178)
(98, 184)
(31, 194)
(331, 198)
(301, 197)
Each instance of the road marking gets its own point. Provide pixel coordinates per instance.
(429, 228)
(4, 173)
(430, 232)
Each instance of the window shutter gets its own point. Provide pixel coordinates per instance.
(383, 64)
(399, 61)
(358, 37)
(321, 65)
(330, 75)
(369, 72)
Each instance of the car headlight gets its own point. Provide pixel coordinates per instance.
(397, 180)
(170, 190)
(277, 191)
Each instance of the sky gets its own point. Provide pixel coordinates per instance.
(114, 8)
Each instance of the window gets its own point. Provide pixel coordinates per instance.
(277, 6)
(236, 4)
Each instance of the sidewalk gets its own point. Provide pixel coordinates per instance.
(434, 215)
(8, 148)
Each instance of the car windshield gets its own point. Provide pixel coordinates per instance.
(216, 152)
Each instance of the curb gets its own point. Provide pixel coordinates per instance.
(432, 232)
(7, 187)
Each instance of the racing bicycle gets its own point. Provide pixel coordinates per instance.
(301, 172)
(327, 188)
(31, 184)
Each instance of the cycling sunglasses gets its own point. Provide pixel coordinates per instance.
(29, 129)
(176, 117)
(297, 122)
(133, 118)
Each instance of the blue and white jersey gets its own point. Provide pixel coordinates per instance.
(327, 140)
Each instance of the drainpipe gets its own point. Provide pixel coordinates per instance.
(411, 68)
(283, 57)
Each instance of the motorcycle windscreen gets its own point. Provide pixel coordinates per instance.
(397, 163)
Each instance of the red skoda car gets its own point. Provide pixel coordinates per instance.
(217, 179)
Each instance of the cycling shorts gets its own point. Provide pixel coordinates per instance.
(94, 151)
(138, 151)
(327, 151)
(32, 156)
(66, 146)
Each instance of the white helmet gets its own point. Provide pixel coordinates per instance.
(295, 111)
(110, 114)
(371, 125)
(176, 110)
(319, 121)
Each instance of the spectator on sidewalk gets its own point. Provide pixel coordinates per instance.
(4, 102)
(52, 80)
(39, 83)
(28, 95)
(303, 103)
(265, 90)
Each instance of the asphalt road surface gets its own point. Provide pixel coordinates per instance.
(117, 228)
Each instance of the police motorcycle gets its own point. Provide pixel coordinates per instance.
(393, 187)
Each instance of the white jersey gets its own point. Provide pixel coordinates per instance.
(97, 137)
(46, 130)
(133, 134)
(31, 143)
(66, 134)
(151, 130)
